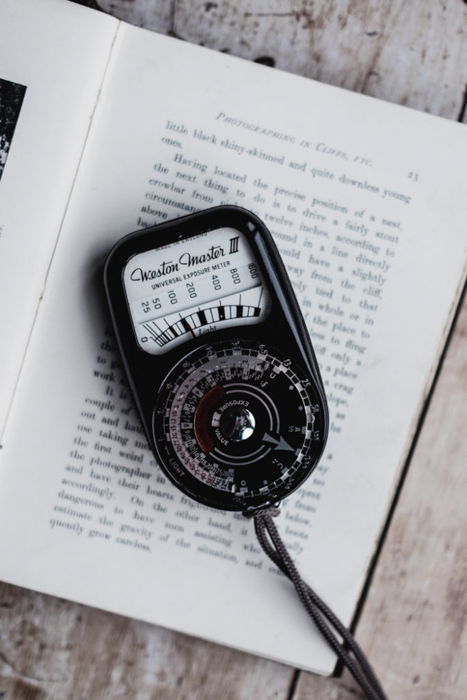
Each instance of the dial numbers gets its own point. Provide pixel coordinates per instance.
(240, 421)
(192, 287)
(175, 327)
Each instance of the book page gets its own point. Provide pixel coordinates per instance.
(364, 200)
(52, 60)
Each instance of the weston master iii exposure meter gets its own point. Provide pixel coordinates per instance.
(218, 358)
(225, 378)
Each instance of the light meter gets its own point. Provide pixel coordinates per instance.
(218, 357)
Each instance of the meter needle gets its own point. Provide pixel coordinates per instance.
(187, 326)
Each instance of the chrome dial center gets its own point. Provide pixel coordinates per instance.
(237, 423)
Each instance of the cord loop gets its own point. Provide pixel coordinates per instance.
(346, 648)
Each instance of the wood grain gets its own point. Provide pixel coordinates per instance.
(414, 622)
(410, 53)
(51, 648)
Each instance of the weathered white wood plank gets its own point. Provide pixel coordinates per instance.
(411, 53)
(414, 622)
(51, 648)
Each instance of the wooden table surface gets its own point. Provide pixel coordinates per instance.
(413, 623)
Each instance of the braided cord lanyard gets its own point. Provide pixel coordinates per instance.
(347, 650)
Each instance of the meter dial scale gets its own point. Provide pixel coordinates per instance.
(204, 284)
(238, 424)
(202, 320)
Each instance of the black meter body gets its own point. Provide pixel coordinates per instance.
(218, 357)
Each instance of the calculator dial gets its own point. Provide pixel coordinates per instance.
(237, 425)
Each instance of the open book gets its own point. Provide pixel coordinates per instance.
(107, 128)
